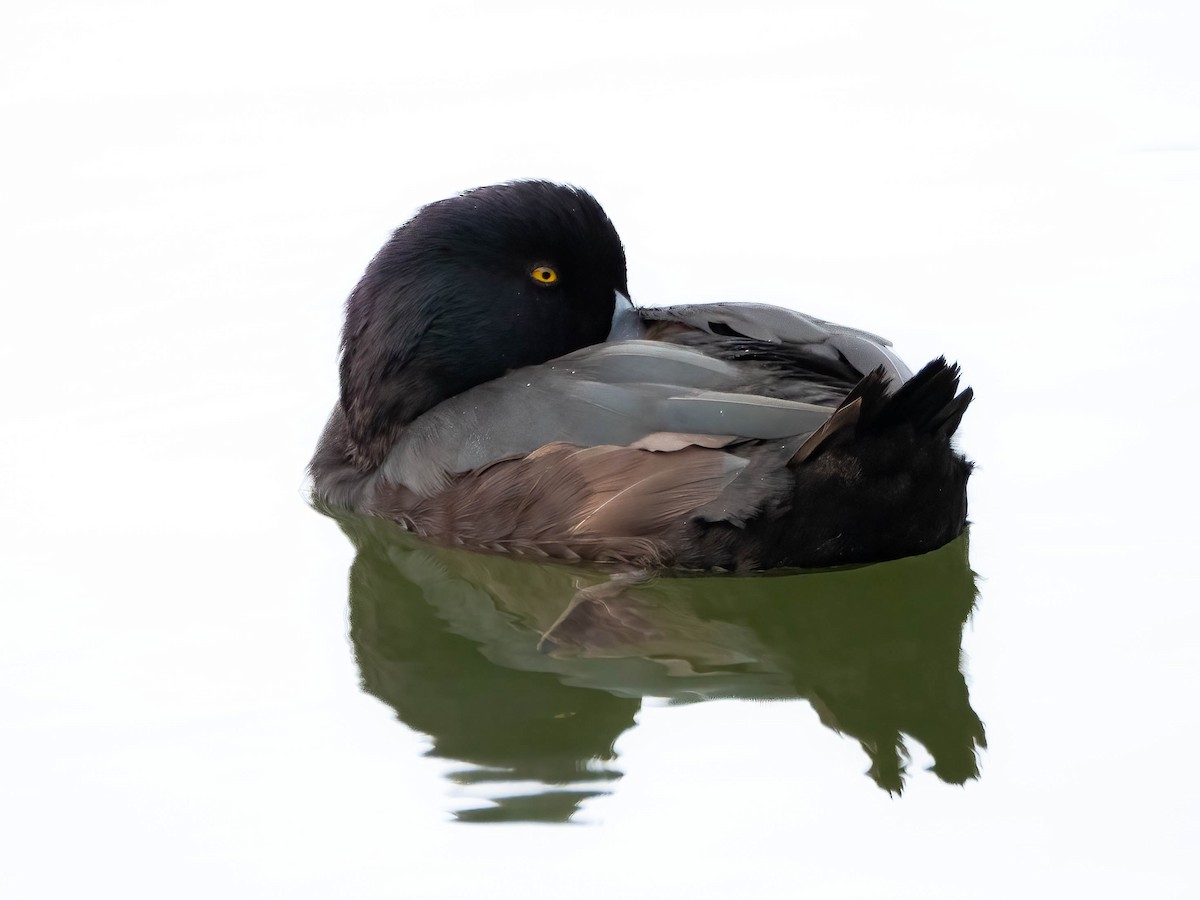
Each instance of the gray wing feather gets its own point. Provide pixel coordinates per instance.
(862, 349)
(629, 392)
(613, 394)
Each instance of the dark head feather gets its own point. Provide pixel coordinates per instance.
(448, 302)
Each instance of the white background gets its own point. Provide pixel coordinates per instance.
(189, 190)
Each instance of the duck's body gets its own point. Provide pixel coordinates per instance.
(499, 392)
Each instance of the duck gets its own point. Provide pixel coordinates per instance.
(499, 391)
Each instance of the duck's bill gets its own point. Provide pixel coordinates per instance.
(626, 323)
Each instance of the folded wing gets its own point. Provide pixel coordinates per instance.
(635, 393)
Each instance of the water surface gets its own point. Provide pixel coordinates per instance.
(531, 673)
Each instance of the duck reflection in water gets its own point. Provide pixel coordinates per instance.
(530, 672)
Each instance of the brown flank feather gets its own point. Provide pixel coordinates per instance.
(604, 504)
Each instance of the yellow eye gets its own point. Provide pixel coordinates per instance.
(544, 274)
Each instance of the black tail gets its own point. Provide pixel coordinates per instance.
(880, 480)
(926, 403)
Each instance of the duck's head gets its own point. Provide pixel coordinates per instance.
(497, 278)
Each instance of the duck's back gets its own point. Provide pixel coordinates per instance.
(721, 436)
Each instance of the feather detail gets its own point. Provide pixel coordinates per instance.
(662, 489)
(665, 441)
(610, 504)
(846, 417)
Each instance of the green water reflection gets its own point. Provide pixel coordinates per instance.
(513, 671)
